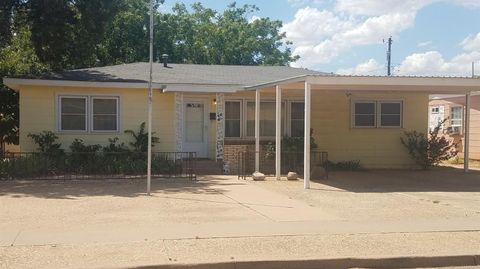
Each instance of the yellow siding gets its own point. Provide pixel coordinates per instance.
(375, 147)
(331, 121)
(38, 105)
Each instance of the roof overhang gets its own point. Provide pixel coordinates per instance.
(15, 83)
(439, 85)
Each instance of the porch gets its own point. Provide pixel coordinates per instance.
(353, 118)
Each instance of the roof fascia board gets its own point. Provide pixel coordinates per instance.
(395, 81)
(276, 82)
(14, 83)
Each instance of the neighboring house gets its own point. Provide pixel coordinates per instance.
(210, 109)
(452, 108)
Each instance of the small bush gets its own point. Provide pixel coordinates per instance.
(429, 151)
(114, 146)
(140, 143)
(46, 142)
(289, 144)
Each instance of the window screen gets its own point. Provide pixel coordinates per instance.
(297, 116)
(73, 114)
(232, 119)
(390, 114)
(364, 114)
(456, 119)
(105, 115)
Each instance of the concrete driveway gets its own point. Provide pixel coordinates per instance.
(220, 218)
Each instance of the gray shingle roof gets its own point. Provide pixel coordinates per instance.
(183, 73)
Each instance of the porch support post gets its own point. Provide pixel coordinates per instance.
(306, 148)
(466, 144)
(278, 132)
(257, 130)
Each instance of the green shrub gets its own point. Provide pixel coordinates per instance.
(140, 142)
(114, 146)
(289, 144)
(46, 142)
(429, 151)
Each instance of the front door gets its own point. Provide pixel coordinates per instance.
(195, 138)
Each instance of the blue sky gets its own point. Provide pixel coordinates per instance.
(431, 37)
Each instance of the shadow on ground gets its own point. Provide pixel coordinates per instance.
(72, 189)
(441, 179)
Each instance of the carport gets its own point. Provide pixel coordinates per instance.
(466, 86)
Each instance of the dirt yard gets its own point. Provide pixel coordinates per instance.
(97, 219)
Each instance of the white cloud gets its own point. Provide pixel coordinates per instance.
(424, 43)
(432, 63)
(370, 67)
(468, 3)
(471, 42)
(379, 7)
(253, 18)
(300, 3)
(319, 36)
(311, 26)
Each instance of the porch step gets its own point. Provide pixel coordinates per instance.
(208, 167)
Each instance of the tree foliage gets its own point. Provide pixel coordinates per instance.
(52, 35)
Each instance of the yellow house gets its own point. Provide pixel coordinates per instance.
(217, 111)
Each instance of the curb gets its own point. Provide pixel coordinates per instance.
(386, 262)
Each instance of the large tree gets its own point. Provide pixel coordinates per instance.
(43, 35)
(18, 58)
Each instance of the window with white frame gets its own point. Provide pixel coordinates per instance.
(297, 119)
(73, 113)
(364, 114)
(390, 114)
(435, 109)
(104, 113)
(88, 113)
(456, 119)
(267, 119)
(240, 118)
(377, 114)
(233, 119)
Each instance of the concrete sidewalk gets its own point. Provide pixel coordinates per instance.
(394, 250)
(221, 222)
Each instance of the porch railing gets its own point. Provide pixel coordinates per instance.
(96, 165)
(291, 161)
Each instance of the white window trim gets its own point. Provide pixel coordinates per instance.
(89, 112)
(352, 116)
(59, 112)
(379, 114)
(268, 100)
(435, 107)
(243, 116)
(462, 109)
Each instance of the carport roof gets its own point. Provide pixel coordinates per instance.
(430, 84)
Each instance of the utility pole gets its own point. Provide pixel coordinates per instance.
(150, 97)
(389, 57)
